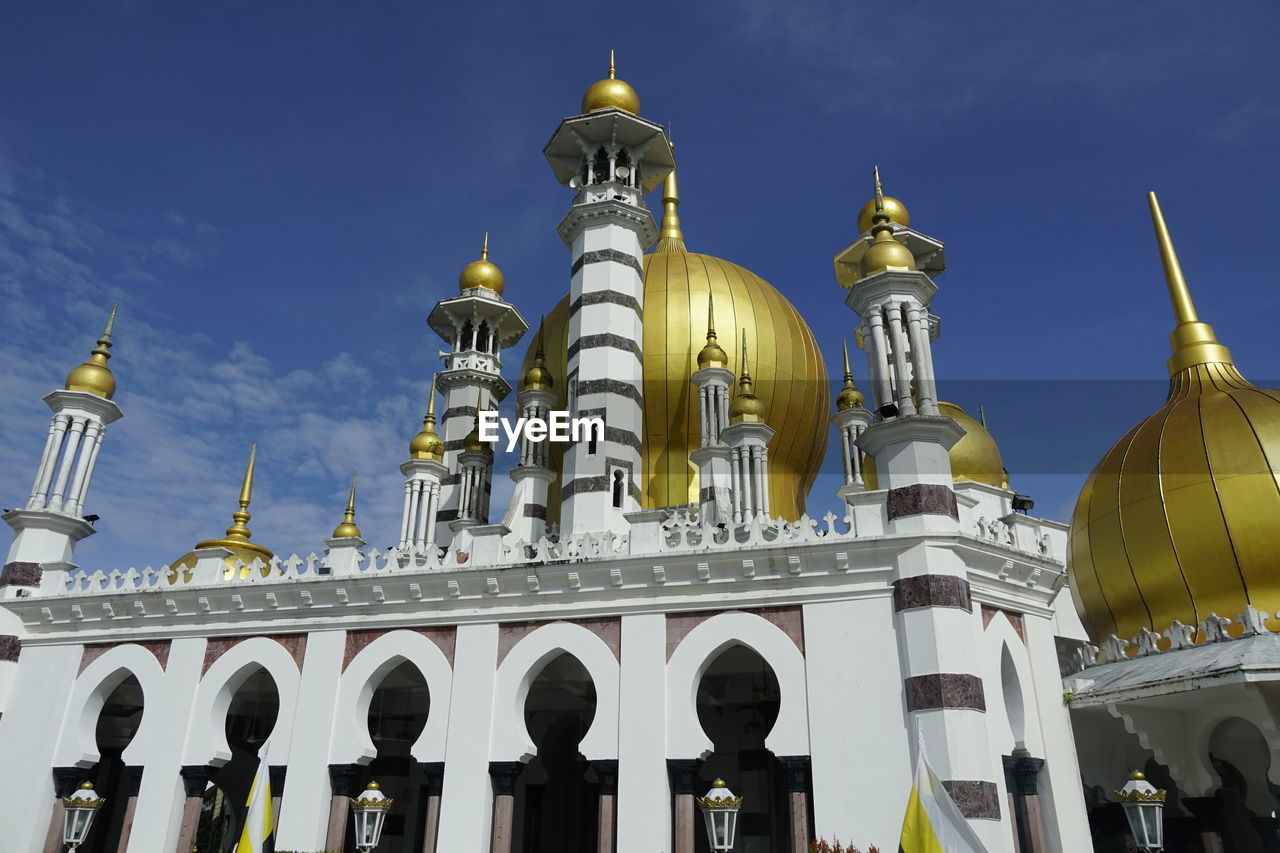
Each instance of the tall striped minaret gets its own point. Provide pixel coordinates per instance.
(611, 157)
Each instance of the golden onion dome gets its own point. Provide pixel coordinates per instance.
(611, 93)
(482, 273)
(537, 377)
(975, 457)
(789, 375)
(1178, 519)
(94, 377)
(427, 444)
(897, 213)
(237, 537)
(849, 397)
(347, 527)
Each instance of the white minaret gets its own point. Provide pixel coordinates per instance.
(478, 324)
(611, 156)
(909, 440)
(424, 473)
(748, 437)
(851, 420)
(526, 515)
(50, 524)
(712, 380)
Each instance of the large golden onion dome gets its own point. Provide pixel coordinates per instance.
(94, 377)
(1181, 518)
(975, 457)
(611, 93)
(427, 444)
(482, 273)
(789, 375)
(237, 536)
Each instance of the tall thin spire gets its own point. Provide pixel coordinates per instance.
(745, 372)
(239, 531)
(711, 312)
(848, 372)
(671, 237)
(613, 72)
(879, 190)
(849, 397)
(431, 401)
(1193, 341)
(348, 526)
(484, 250)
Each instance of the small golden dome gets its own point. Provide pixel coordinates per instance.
(537, 377)
(94, 377)
(849, 397)
(482, 273)
(347, 528)
(427, 444)
(611, 93)
(745, 407)
(897, 214)
(885, 252)
(975, 457)
(1178, 519)
(711, 355)
(237, 536)
(474, 444)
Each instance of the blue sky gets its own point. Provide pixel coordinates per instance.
(276, 193)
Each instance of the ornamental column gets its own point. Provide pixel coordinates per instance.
(425, 473)
(712, 380)
(748, 438)
(851, 420)
(611, 156)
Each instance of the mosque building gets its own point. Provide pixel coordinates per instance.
(654, 610)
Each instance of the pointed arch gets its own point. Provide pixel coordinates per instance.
(511, 740)
(207, 738)
(696, 652)
(78, 744)
(352, 743)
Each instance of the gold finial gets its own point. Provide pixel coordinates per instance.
(745, 371)
(885, 251)
(484, 250)
(711, 355)
(1193, 341)
(94, 376)
(848, 372)
(611, 93)
(482, 273)
(348, 529)
(849, 397)
(982, 415)
(431, 400)
(745, 406)
(671, 238)
(881, 203)
(613, 72)
(239, 531)
(237, 535)
(537, 377)
(879, 190)
(427, 444)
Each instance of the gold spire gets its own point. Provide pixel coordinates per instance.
(348, 529)
(538, 377)
(1193, 342)
(427, 444)
(237, 535)
(611, 93)
(482, 273)
(745, 406)
(671, 238)
(711, 354)
(885, 252)
(849, 397)
(473, 443)
(897, 210)
(93, 376)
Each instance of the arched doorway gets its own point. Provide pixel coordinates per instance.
(117, 724)
(738, 702)
(397, 715)
(251, 717)
(556, 796)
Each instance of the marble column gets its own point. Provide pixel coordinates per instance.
(342, 781)
(684, 787)
(504, 775)
(130, 783)
(195, 779)
(1021, 776)
(795, 774)
(65, 782)
(607, 777)
(434, 771)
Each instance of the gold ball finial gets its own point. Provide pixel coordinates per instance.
(538, 377)
(849, 397)
(897, 210)
(373, 786)
(86, 785)
(712, 354)
(347, 528)
(745, 407)
(611, 93)
(482, 273)
(427, 444)
(1137, 776)
(885, 252)
(94, 377)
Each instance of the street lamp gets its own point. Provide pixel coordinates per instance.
(368, 811)
(77, 817)
(1144, 809)
(720, 811)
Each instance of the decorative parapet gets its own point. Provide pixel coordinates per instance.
(1214, 629)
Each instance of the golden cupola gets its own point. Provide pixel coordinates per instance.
(711, 354)
(1181, 518)
(347, 527)
(611, 93)
(537, 377)
(788, 374)
(849, 397)
(745, 407)
(427, 444)
(885, 251)
(94, 376)
(482, 273)
(237, 538)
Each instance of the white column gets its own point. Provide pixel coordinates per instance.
(64, 471)
(920, 367)
(764, 480)
(423, 487)
(415, 498)
(735, 483)
(466, 805)
(846, 457)
(45, 472)
(433, 508)
(304, 811)
(93, 466)
(405, 538)
(92, 437)
(878, 360)
(644, 794)
(902, 373)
